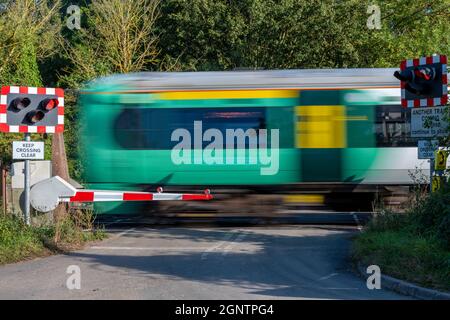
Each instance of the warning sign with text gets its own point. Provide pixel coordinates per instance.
(28, 150)
(429, 122)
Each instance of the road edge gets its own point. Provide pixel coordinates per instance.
(406, 288)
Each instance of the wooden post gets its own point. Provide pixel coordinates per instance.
(4, 196)
(59, 168)
(59, 159)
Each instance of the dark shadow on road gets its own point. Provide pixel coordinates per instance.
(260, 261)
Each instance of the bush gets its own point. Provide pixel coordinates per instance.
(414, 246)
(428, 215)
(406, 256)
(19, 241)
(443, 231)
(387, 221)
(75, 229)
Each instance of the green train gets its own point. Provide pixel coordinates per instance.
(266, 131)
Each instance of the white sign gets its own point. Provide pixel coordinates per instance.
(28, 150)
(429, 122)
(427, 148)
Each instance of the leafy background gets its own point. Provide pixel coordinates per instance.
(116, 36)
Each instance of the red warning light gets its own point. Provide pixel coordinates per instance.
(49, 104)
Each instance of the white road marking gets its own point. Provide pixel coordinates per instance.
(209, 249)
(339, 288)
(151, 248)
(125, 232)
(121, 234)
(358, 223)
(329, 276)
(225, 240)
(238, 239)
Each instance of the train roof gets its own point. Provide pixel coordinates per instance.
(226, 80)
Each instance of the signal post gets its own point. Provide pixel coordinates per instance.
(423, 83)
(30, 110)
(41, 110)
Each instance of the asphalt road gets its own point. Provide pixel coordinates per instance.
(267, 262)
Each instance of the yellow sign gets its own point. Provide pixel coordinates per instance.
(440, 159)
(436, 183)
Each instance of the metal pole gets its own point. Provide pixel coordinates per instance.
(27, 185)
(431, 174)
(4, 198)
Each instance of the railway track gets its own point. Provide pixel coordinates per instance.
(305, 217)
(297, 209)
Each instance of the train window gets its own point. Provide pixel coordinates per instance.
(145, 128)
(392, 126)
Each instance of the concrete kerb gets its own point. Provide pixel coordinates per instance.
(407, 288)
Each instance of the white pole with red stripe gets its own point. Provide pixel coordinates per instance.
(47, 194)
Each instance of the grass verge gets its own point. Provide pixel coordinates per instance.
(413, 246)
(21, 242)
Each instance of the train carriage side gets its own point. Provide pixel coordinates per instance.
(337, 137)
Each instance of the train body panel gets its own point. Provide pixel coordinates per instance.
(323, 126)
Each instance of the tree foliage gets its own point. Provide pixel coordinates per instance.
(28, 34)
(269, 34)
(117, 36)
(29, 31)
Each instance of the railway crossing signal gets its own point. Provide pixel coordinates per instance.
(41, 110)
(423, 81)
(31, 109)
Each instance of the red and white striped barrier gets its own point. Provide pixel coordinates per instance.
(105, 195)
(431, 102)
(47, 194)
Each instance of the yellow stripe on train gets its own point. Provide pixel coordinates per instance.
(228, 94)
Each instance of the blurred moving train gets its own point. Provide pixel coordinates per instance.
(340, 131)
